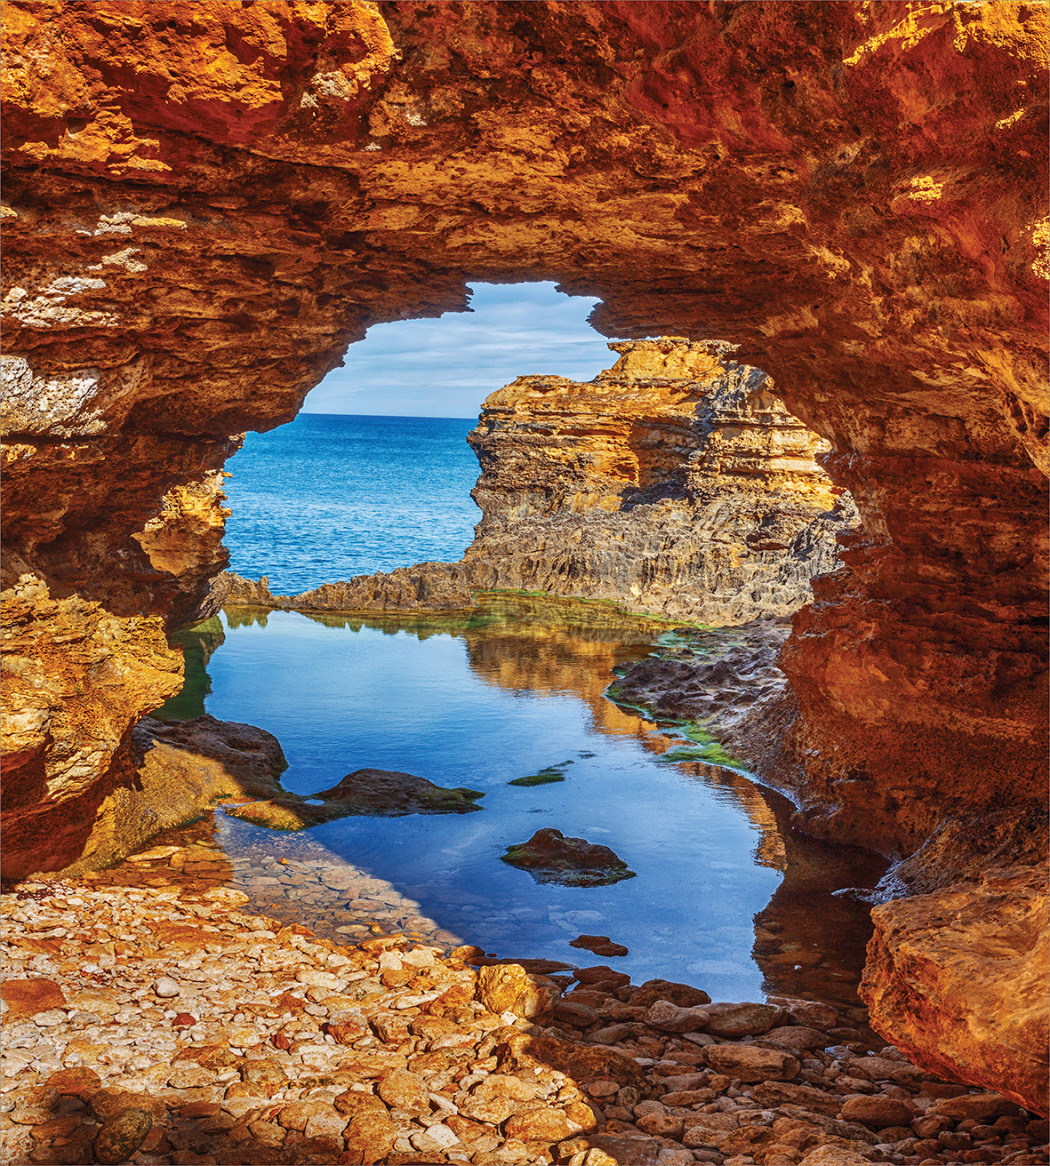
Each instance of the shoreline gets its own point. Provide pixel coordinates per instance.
(248, 1040)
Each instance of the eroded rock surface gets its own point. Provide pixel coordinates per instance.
(186, 258)
(375, 792)
(424, 587)
(206, 203)
(959, 977)
(243, 1040)
(674, 482)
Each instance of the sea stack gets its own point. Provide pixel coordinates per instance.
(674, 482)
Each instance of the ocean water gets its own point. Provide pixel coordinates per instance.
(328, 497)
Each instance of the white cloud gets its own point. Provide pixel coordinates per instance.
(447, 367)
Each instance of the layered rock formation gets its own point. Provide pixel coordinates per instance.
(206, 203)
(674, 482)
(424, 587)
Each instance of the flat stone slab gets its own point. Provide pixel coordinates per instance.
(380, 793)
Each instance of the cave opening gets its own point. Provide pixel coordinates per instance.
(583, 563)
(377, 460)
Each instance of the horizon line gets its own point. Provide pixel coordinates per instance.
(385, 416)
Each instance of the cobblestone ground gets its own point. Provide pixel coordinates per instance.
(150, 1015)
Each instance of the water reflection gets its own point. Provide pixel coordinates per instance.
(728, 895)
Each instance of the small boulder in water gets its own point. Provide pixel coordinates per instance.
(599, 944)
(550, 857)
(379, 793)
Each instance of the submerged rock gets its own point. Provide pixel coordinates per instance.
(550, 857)
(383, 793)
(599, 944)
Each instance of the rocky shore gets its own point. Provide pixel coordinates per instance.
(674, 483)
(150, 1016)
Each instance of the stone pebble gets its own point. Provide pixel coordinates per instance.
(287, 1046)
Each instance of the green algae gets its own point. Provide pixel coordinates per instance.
(546, 776)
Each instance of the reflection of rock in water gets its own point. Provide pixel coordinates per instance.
(807, 941)
(810, 941)
(543, 646)
(198, 642)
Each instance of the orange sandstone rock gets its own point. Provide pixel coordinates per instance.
(675, 482)
(205, 204)
(958, 980)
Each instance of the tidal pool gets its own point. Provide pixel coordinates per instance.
(726, 895)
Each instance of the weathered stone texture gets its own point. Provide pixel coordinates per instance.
(674, 482)
(958, 980)
(205, 203)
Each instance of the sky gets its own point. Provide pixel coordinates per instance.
(448, 366)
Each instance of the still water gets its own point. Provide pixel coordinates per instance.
(726, 895)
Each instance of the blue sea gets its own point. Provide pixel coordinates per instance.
(329, 496)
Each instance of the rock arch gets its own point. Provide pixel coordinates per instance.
(207, 203)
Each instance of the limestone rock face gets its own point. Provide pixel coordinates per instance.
(674, 482)
(958, 979)
(76, 678)
(424, 587)
(177, 772)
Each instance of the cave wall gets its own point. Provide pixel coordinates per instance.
(204, 204)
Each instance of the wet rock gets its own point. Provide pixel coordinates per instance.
(599, 944)
(636, 1151)
(750, 1063)
(122, 1135)
(897, 1069)
(773, 1094)
(577, 1015)
(809, 1013)
(662, 1125)
(366, 793)
(424, 587)
(76, 1082)
(550, 857)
